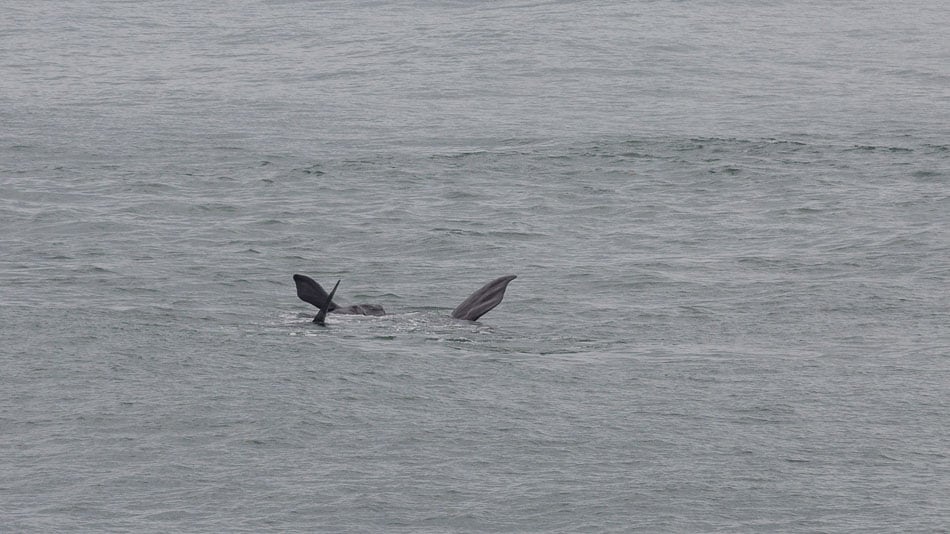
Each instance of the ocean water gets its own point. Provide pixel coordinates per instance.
(730, 222)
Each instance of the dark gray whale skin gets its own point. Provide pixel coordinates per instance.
(484, 300)
(310, 291)
(477, 304)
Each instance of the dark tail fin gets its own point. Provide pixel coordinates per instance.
(483, 300)
(310, 291)
(321, 317)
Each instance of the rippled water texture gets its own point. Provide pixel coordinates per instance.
(729, 222)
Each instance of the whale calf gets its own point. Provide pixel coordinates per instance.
(477, 304)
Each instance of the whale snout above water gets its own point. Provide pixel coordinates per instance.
(477, 304)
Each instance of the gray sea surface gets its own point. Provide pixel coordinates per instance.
(730, 222)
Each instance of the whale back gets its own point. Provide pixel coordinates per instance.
(484, 300)
(362, 309)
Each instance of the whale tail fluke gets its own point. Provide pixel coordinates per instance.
(484, 300)
(321, 317)
(308, 290)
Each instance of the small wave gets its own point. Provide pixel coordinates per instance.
(875, 148)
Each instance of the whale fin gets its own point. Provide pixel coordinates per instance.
(321, 317)
(482, 301)
(308, 290)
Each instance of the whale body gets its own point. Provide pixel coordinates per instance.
(477, 304)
